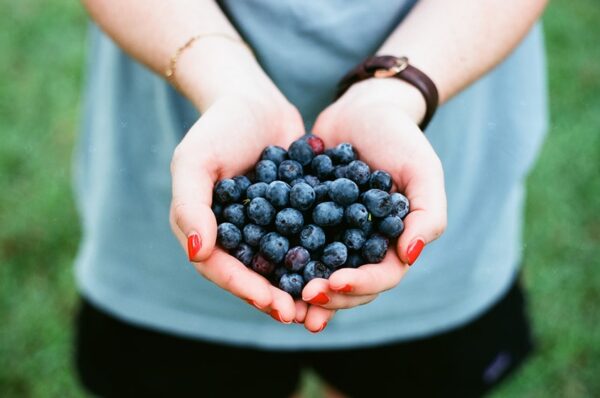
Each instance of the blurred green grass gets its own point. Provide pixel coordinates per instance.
(41, 69)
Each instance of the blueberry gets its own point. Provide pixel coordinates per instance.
(378, 202)
(292, 284)
(302, 196)
(217, 209)
(340, 171)
(335, 255)
(227, 191)
(343, 191)
(277, 274)
(274, 247)
(289, 221)
(316, 269)
(354, 239)
(297, 181)
(312, 237)
(266, 171)
(252, 234)
(257, 190)
(368, 228)
(244, 254)
(301, 152)
(278, 194)
(328, 214)
(311, 180)
(374, 249)
(359, 172)
(321, 192)
(400, 205)
(235, 214)
(343, 153)
(289, 170)
(262, 265)
(391, 226)
(228, 235)
(317, 144)
(296, 258)
(381, 180)
(356, 215)
(243, 183)
(354, 260)
(322, 166)
(260, 211)
(274, 153)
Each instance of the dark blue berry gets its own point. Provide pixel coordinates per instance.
(335, 255)
(277, 274)
(227, 191)
(292, 284)
(340, 171)
(381, 180)
(296, 258)
(374, 249)
(322, 166)
(243, 183)
(257, 190)
(228, 235)
(244, 254)
(217, 209)
(343, 191)
(253, 233)
(316, 269)
(378, 202)
(260, 211)
(262, 265)
(354, 260)
(265, 171)
(297, 181)
(328, 214)
(301, 152)
(400, 205)
(274, 153)
(289, 221)
(274, 247)
(359, 172)
(391, 226)
(321, 192)
(354, 239)
(368, 228)
(312, 180)
(278, 194)
(235, 214)
(302, 196)
(289, 170)
(312, 237)
(356, 215)
(343, 153)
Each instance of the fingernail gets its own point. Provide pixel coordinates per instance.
(275, 315)
(319, 299)
(343, 289)
(323, 326)
(194, 245)
(252, 303)
(414, 249)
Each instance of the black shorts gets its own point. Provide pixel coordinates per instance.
(114, 358)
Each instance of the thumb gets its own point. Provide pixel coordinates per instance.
(192, 219)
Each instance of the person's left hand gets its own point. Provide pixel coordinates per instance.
(379, 117)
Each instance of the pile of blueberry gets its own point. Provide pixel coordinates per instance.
(305, 212)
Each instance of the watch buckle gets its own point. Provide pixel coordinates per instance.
(399, 66)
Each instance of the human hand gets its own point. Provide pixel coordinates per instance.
(379, 118)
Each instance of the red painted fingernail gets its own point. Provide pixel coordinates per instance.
(319, 299)
(323, 326)
(252, 303)
(344, 289)
(194, 245)
(414, 249)
(275, 315)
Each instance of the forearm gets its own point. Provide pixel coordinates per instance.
(152, 30)
(456, 42)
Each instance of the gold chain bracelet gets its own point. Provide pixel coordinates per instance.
(170, 71)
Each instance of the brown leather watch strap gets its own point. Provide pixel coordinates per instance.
(389, 66)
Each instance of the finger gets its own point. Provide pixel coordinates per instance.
(317, 318)
(424, 187)
(301, 310)
(283, 308)
(191, 216)
(369, 279)
(233, 276)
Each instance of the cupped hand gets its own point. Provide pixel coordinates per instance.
(380, 117)
(227, 141)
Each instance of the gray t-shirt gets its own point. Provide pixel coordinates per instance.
(130, 264)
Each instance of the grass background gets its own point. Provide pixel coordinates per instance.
(42, 52)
